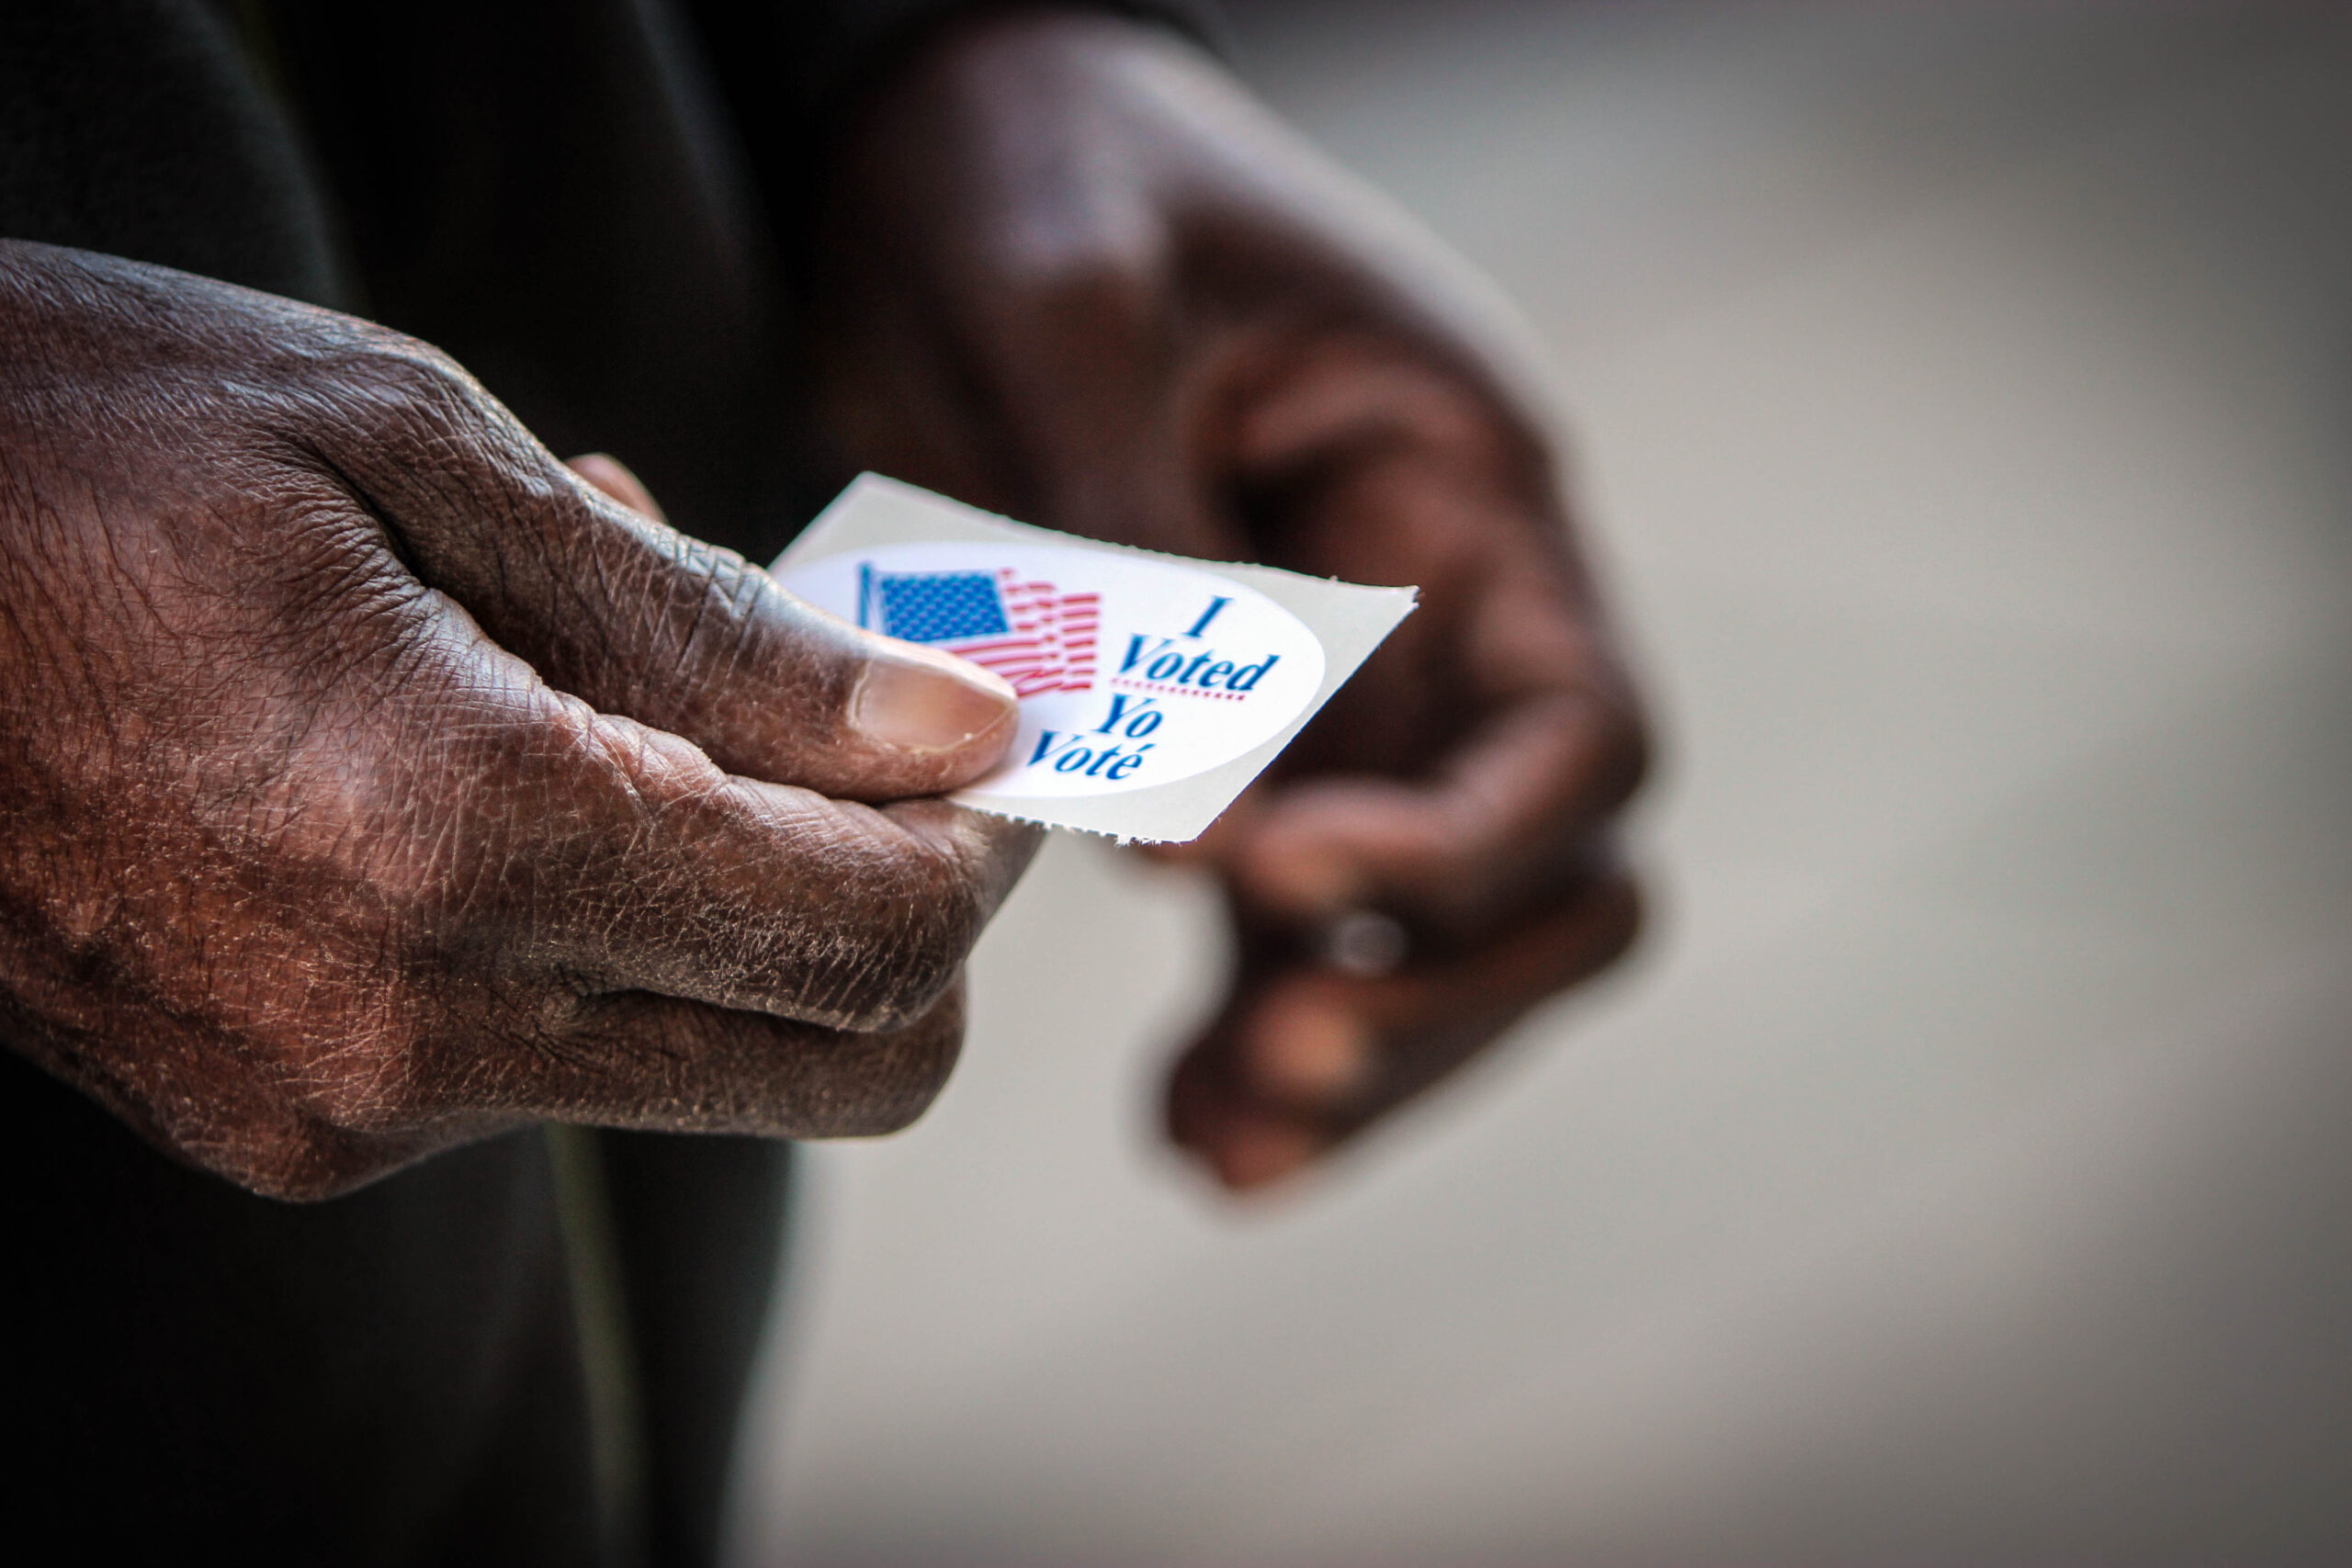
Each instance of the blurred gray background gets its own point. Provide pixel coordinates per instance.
(1960, 1173)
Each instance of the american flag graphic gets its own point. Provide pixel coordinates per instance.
(1037, 637)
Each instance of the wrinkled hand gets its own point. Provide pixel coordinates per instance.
(1070, 271)
(374, 783)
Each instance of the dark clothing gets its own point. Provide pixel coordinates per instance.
(566, 196)
(196, 1374)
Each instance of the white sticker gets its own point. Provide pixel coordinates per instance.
(1152, 689)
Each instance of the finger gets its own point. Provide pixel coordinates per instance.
(1303, 1061)
(656, 1064)
(547, 850)
(638, 620)
(658, 873)
(1480, 751)
(615, 479)
(1349, 1047)
(1304, 1058)
(1501, 812)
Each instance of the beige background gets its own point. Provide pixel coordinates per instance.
(1962, 1171)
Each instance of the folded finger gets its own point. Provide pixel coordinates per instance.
(657, 1063)
(1504, 811)
(1303, 1057)
(666, 876)
(1476, 752)
(559, 850)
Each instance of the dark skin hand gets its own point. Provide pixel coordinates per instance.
(374, 783)
(1070, 271)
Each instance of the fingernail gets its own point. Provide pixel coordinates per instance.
(1259, 1153)
(928, 703)
(1311, 1053)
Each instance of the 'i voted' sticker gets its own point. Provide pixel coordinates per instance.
(1152, 689)
(1131, 673)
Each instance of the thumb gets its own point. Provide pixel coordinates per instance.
(907, 704)
(636, 619)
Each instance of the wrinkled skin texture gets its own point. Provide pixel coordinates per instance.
(374, 783)
(1070, 271)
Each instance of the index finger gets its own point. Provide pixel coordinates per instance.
(572, 852)
(1508, 730)
(651, 869)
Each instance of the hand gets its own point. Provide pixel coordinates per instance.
(375, 784)
(1069, 270)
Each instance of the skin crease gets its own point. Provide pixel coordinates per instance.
(1070, 271)
(375, 784)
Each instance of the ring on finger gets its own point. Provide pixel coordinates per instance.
(1366, 943)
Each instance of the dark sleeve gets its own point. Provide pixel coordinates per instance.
(787, 71)
(136, 128)
(802, 56)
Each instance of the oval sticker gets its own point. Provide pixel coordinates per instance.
(1132, 670)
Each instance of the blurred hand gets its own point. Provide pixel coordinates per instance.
(373, 783)
(1070, 271)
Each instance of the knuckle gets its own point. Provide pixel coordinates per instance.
(418, 438)
(378, 1091)
(1613, 916)
(359, 1063)
(1080, 233)
(291, 1156)
(1628, 747)
(696, 613)
(892, 982)
(382, 378)
(1634, 754)
(908, 962)
(302, 1170)
(413, 368)
(907, 1071)
(458, 852)
(360, 824)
